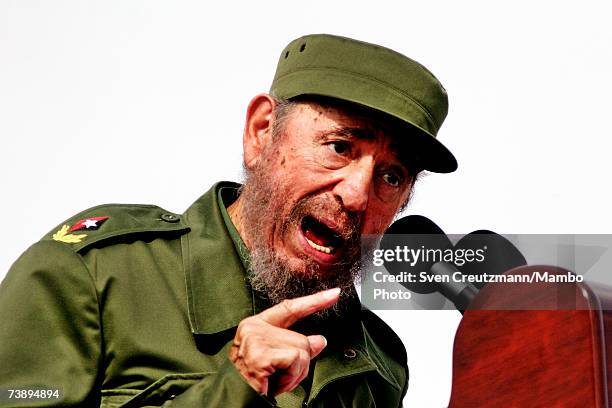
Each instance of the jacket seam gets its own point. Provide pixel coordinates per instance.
(185, 254)
(92, 280)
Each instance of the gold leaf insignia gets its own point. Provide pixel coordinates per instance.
(63, 236)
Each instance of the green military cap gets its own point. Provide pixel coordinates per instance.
(372, 76)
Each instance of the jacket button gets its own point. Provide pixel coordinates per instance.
(170, 218)
(350, 353)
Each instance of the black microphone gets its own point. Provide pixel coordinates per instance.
(500, 255)
(424, 246)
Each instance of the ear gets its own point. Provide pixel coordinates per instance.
(258, 128)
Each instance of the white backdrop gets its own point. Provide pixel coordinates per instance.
(143, 102)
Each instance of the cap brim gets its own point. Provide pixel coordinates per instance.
(429, 152)
(432, 155)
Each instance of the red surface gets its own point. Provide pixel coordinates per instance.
(532, 358)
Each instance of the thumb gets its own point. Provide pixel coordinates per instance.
(317, 344)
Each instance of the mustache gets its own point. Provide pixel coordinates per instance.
(347, 224)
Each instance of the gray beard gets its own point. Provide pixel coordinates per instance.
(271, 278)
(270, 275)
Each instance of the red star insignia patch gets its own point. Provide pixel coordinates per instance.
(91, 223)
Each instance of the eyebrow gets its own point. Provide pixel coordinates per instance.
(353, 133)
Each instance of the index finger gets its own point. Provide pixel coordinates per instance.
(291, 310)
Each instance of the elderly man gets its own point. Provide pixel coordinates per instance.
(246, 299)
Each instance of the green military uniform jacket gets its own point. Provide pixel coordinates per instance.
(141, 312)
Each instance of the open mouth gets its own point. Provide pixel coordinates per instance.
(319, 236)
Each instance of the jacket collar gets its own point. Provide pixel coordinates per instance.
(219, 295)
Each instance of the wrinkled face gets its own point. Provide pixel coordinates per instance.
(327, 178)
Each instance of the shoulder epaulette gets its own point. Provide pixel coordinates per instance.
(109, 221)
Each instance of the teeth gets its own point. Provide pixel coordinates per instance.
(321, 248)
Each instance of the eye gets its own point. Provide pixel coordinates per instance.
(391, 179)
(339, 147)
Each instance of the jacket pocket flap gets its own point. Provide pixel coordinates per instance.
(164, 389)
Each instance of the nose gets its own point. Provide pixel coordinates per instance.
(354, 187)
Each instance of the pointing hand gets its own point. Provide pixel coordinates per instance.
(264, 346)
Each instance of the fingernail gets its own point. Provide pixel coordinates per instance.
(332, 293)
(324, 341)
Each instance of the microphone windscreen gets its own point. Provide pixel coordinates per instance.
(500, 254)
(412, 239)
